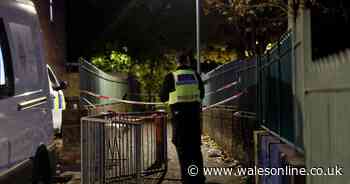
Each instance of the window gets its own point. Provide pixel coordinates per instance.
(53, 80)
(2, 69)
(6, 74)
(26, 50)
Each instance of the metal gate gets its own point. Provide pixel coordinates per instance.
(124, 148)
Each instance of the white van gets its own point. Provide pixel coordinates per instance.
(26, 126)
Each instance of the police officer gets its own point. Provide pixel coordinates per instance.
(184, 91)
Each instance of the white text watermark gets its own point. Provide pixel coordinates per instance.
(193, 170)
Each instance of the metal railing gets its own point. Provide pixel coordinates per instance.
(228, 80)
(124, 148)
(93, 110)
(275, 96)
(96, 81)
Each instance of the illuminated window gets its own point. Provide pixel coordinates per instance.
(2, 69)
(6, 74)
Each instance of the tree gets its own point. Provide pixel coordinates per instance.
(257, 22)
(149, 71)
(115, 61)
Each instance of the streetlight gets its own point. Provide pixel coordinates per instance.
(198, 36)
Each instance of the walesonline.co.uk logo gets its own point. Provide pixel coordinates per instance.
(193, 170)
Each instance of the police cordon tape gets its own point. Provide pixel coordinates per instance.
(224, 101)
(102, 97)
(234, 83)
(157, 103)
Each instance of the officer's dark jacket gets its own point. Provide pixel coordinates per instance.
(169, 85)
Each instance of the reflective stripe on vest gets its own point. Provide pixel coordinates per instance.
(60, 103)
(186, 87)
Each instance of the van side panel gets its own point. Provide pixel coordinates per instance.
(25, 118)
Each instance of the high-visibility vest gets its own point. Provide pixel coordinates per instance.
(60, 102)
(186, 87)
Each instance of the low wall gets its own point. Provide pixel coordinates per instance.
(234, 135)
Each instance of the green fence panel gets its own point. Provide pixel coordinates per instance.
(275, 97)
(96, 81)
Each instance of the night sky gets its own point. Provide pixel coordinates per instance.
(141, 26)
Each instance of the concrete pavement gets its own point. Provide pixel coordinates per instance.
(173, 175)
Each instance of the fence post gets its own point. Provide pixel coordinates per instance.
(258, 90)
(165, 138)
(279, 86)
(103, 151)
(138, 150)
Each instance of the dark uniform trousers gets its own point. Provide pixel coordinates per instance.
(187, 139)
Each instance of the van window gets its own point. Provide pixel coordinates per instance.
(52, 77)
(2, 69)
(6, 74)
(27, 65)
